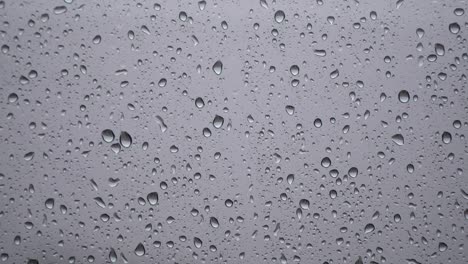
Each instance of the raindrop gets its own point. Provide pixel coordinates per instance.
(290, 109)
(140, 250)
(439, 49)
(369, 228)
(197, 242)
(218, 121)
(107, 135)
(29, 156)
(97, 39)
(199, 103)
(454, 28)
(214, 222)
(218, 67)
(334, 74)
(326, 162)
(294, 70)
(304, 204)
(279, 16)
(12, 98)
(290, 179)
(125, 139)
(152, 198)
(398, 139)
(442, 247)
(318, 123)
(353, 172)
(49, 203)
(446, 137)
(403, 96)
(206, 132)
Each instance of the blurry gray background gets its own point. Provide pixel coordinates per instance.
(253, 131)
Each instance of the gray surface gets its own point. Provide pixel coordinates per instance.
(268, 132)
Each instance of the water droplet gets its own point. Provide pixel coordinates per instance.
(304, 204)
(326, 162)
(60, 10)
(294, 70)
(97, 39)
(199, 103)
(290, 178)
(279, 16)
(107, 135)
(398, 139)
(218, 67)
(206, 132)
(290, 109)
(49, 203)
(162, 82)
(397, 218)
(140, 250)
(183, 16)
(334, 74)
(112, 256)
(403, 96)
(369, 228)
(228, 203)
(318, 123)
(214, 222)
(152, 198)
(197, 242)
(125, 139)
(442, 247)
(459, 11)
(439, 49)
(218, 121)
(12, 98)
(446, 137)
(454, 28)
(264, 4)
(353, 172)
(29, 156)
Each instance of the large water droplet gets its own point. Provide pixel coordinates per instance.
(140, 250)
(218, 67)
(279, 16)
(454, 28)
(446, 137)
(125, 139)
(152, 198)
(369, 228)
(218, 121)
(197, 242)
(403, 96)
(398, 139)
(290, 109)
(304, 204)
(107, 135)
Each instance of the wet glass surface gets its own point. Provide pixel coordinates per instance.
(261, 131)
